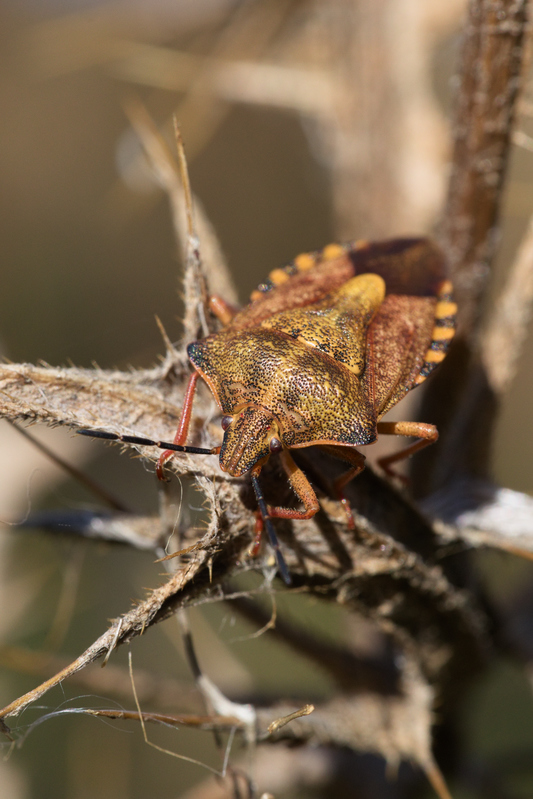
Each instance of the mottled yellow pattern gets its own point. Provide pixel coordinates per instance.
(327, 346)
(337, 324)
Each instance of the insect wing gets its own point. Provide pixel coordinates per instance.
(408, 266)
(411, 332)
(413, 267)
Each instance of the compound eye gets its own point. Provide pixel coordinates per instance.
(226, 421)
(275, 445)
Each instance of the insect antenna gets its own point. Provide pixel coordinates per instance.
(272, 537)
(148, 442)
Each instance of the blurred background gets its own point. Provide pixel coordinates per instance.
(305, 122)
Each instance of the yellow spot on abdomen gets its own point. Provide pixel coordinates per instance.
(435, 356)
(278, 276)
(443, 309)
(442, 333)
(332, 251)
(304, 261)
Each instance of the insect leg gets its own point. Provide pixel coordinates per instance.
(350, 455)
(357, 460)
(259, 527)
(426, 433)
(183, 427)
(223, 311)
(301, 487)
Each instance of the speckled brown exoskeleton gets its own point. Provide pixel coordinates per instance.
(324, 349)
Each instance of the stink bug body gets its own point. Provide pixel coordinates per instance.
(324, 349)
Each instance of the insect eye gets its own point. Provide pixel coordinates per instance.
(275, 445)
(226, 421)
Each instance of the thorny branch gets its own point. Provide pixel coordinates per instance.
(391, 568)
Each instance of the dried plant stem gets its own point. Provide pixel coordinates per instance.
(491, 65)
(460, 400)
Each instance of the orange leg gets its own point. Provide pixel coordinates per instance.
(357, 460)
(350, 455)
(183, 426)
(301, 487)
(258, 534)
(223, 311)
(426, 433)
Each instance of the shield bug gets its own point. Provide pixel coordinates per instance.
(327, 345)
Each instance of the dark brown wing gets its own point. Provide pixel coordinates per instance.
(411, 331)
(397, 341)
(408, 266)
(407, 339)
